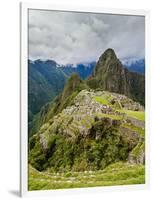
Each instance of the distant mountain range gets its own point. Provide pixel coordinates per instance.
(82, 69)
(135, 66)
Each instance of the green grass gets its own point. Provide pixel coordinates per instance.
(140, 115)
(102, 99)
(138, 149)
(115, 174)
(116, 117)
(105, 99)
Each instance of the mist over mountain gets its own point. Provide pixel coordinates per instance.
(135, 66)
(84, 70)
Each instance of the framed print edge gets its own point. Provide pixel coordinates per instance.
(24, 98)
(148, 81)
(23, 101)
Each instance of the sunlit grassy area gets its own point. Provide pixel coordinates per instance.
(140, 115)
(101, 99)
(105, 99)
(116, 117)
(115, 174)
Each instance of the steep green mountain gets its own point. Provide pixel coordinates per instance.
(109, 74)
(72, 87)
(45, 82)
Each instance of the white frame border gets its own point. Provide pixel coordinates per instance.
(24, 97)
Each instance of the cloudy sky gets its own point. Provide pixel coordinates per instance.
(68, 37)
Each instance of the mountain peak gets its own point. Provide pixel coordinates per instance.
(109, 74)
(71, 84)
(107, 62)
(107, 57)
(109, 53)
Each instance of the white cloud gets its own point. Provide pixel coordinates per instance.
(70, 37)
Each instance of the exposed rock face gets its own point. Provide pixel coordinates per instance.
(136, 122)
(92, 130)
(109, 74)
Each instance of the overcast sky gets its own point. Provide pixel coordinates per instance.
(68, 37)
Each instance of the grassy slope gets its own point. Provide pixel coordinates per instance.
(140, 115)
(101, 100)
(115, 174)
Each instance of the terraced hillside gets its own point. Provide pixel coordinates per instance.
(98, 128)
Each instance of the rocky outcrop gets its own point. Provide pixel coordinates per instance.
(109, 74)
(136, 122)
